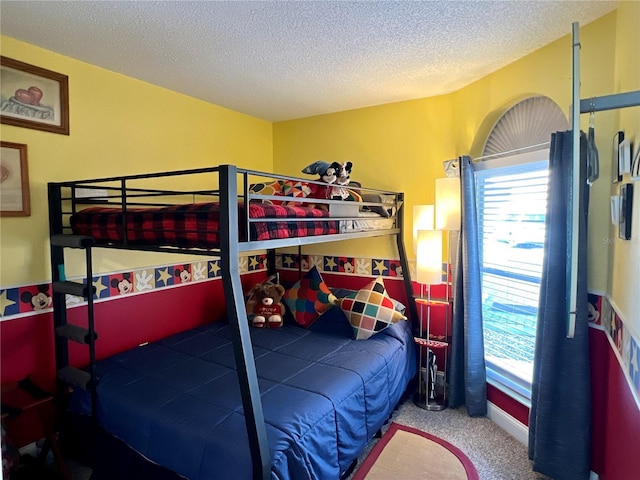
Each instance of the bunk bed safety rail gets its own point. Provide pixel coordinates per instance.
(133, 193)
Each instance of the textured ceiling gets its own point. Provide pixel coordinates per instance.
(280, 60)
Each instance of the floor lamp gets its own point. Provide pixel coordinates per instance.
(428, 249)
(428, 272)
(447, 217)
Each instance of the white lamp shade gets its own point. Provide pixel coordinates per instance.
(423, 216)
(429, 258)
(448, 203)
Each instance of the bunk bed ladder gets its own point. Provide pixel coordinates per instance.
(64, 332)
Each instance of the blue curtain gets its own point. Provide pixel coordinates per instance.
(467, 373)
(560, 416)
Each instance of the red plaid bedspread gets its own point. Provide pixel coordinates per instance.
(195, 225)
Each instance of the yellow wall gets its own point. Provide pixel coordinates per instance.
(118, 126)
(398, 146)
(624, 274)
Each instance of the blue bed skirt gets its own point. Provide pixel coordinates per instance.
(177, 401)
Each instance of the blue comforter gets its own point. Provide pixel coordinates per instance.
(177, 401)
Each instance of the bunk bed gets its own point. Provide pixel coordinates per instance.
(260, 403)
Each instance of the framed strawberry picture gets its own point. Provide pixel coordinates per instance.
(33, 97)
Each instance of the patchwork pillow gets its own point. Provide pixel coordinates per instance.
(268, 188)
(370, 310)
(296, 189)
(309, 298)
(346, 292)
(281, 188)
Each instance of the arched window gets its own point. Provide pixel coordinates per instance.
(511, 186)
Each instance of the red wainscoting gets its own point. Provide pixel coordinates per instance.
(507, 404)
(616, 415)
(26, 348)
(26, 343)
(600, 354)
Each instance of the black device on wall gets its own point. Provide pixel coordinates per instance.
(626, 206)
(618, 138)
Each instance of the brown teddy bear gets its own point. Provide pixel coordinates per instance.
(264, 306)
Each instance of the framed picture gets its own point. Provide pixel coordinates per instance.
(616, 170)
(14, 180)
(626, 209)
(33, 97)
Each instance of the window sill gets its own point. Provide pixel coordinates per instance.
(508, 387)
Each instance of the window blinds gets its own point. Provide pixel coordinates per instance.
(512, 201)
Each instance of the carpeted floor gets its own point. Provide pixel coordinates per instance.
(495, 454)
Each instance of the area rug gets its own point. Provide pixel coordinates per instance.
(408, 453)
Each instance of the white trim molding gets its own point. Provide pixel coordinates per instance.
(509, 424)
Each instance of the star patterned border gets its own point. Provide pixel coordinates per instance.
(379, 267)
(36, 299)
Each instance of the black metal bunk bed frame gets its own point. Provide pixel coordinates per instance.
(229, 249)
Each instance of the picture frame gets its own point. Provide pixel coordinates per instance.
(624, 157)
(33, 97)
(626, 209)
(14, 180)
(635, 165)
(616, 169)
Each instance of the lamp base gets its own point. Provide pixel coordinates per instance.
(434, 405)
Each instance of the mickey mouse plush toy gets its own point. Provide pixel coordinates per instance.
(339, 192)
(328, 173)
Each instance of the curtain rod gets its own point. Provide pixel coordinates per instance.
(515, 150)
(610, 102)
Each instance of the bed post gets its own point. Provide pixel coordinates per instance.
(406, 273)
(57, 259)
(245, 363)
(271, 261)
